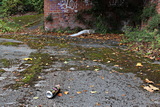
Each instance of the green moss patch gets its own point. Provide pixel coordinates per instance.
(27, 19)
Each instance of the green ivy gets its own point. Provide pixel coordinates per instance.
(154, 23)
(148, 11)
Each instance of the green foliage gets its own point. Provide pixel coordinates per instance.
(11, 7)
(136, 35)
(49, 18)
(8, 26)
(101, 27)
(142, 36)
(148, 11)
(154, 23)
(38, 5)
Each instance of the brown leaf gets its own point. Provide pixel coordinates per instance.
(60, 94)
(84, 90)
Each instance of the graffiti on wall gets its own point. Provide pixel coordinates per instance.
(68, 5)
(71, 5)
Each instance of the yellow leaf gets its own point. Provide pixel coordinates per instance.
(66, 92)
(35, 98)
(79, 92)
(93, 92)
(154, 88)
(98, 104)
(66, 62)
(148, 81)
(26, 59)
(139, 65)
(91, 86)
(148, 89)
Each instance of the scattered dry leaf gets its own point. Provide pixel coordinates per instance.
(91, 86)
(148, 81)
(84, 90)
(93, 92)
(154, 88)
(151, 88)
(60, 94)
(66, 92)
(65, 62)
(96, 70)
(139, 65)
(79, 92)
(35, 98)
(26, 59)
(148, 89)
(123, 95)
(106, 92)
(98, 104)
(116, 65)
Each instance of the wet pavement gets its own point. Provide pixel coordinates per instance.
(85, 84)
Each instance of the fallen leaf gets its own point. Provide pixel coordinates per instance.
(71, 97)
(108, 61)
(106, 92)
(60, 94)
(93, 92)
(123, 95)
(148, 81)
(91, 86)
(95, 60)
(26, 59)
(65, 62)
(116, 65)
(35, 98)
(154, 88)
(96, 70)
(148, 89)
(98, 104)
(84, 90)
(66, 92)
(139, 65)
(79, 92)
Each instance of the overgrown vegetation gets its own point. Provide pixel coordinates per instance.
(15, 24)
(39, 62)
(11, 7)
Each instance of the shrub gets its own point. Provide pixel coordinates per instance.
(136, 35)
(154, 23)
(148, 11)
(12, 6)
(21, 6)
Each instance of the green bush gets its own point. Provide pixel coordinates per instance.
(154, 23)
(148, 11)
(10, 7)
(136, 35)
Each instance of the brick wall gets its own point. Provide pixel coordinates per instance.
(63, 13)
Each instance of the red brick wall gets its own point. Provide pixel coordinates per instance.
(64, 12)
